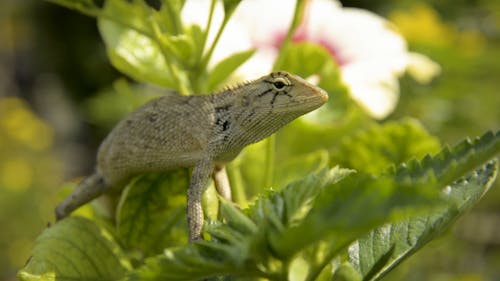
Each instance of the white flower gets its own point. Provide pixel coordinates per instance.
(370, 53)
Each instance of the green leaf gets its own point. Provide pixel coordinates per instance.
(351, 207)
(169, 15)
(226, 67)
(151, 212)
(440, 170)
(337, 214)
(382, 249)
(320, 212)
(192, 262)
(130, 44)
(84, 6)
(75, 249)
(451, 163)
(236, 219)
(180, 46)
(315, 136)
(297, 197)
(376, 148)
(196, 36)
(292, 167)
(239, 246)
(143, 43)
(346, 272)
(306, 59)
(230, 6)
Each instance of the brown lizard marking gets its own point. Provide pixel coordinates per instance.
(265, 92)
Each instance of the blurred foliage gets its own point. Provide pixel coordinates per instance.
(462, 36)
(465, 96)
(28, 172)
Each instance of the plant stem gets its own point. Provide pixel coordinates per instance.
(173, 15)
(208, 55)
(207, 30)
(297, 19)
(200, 66)
(237, 185)
(270, 160)
(286, 269)
(181, 85)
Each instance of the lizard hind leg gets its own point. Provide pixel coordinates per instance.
(222, 182)
(90, 188)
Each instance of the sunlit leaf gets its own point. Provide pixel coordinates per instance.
(169, 15)
(451, 163)
(352, 207)
(442, 169)
(151, 212)
(346, 272)
(181, 48)
(337, 210)
(75, 249)
(382, 249)
(196, 37)
(237, 247)
(130, 44)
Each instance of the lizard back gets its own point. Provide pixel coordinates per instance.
(166, 133)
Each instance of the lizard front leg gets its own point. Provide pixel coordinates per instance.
(90, 188)
(199, 181)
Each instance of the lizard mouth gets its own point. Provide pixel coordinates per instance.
(305, 103)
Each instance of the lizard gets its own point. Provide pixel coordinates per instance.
(200, 131)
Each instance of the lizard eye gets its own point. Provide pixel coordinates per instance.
(280, 83)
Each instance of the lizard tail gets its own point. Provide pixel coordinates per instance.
(89, 189)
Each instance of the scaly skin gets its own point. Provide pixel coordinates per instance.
(204, 132)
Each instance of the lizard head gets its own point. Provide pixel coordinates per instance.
(278, 97)
(286, 93)
(252, 111)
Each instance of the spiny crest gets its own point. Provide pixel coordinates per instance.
(235, 86)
